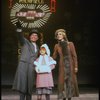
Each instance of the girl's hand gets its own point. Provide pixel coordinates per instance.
(37, 69)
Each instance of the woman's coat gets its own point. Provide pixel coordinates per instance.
(63, 72)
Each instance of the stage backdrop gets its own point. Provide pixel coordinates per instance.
(77, 17)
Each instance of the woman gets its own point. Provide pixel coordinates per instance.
(68, 66)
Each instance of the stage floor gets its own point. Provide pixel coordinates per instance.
(85, 94)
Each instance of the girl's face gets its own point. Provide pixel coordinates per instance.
(60, 36)
(42, 51)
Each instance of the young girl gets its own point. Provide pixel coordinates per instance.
(44, 65)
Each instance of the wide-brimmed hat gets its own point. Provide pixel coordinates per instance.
(34, 31)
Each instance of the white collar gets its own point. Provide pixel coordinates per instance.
(33, 43)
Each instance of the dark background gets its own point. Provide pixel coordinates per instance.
(79, 18)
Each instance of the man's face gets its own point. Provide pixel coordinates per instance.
(33, 37)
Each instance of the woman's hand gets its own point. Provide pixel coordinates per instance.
(76, 69)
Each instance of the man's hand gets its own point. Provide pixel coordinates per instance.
(18, 25)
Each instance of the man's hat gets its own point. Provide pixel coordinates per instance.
(34, 31)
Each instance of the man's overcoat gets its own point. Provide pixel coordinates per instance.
(25, 74)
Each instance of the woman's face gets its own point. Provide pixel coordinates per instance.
(60, 36)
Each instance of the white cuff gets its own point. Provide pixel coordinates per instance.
(19, 30)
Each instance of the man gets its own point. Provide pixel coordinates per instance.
(24, 78)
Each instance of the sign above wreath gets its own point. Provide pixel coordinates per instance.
(31, 13)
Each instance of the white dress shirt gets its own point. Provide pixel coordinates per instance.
(35, 46)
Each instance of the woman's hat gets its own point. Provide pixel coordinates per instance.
(60, 30)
